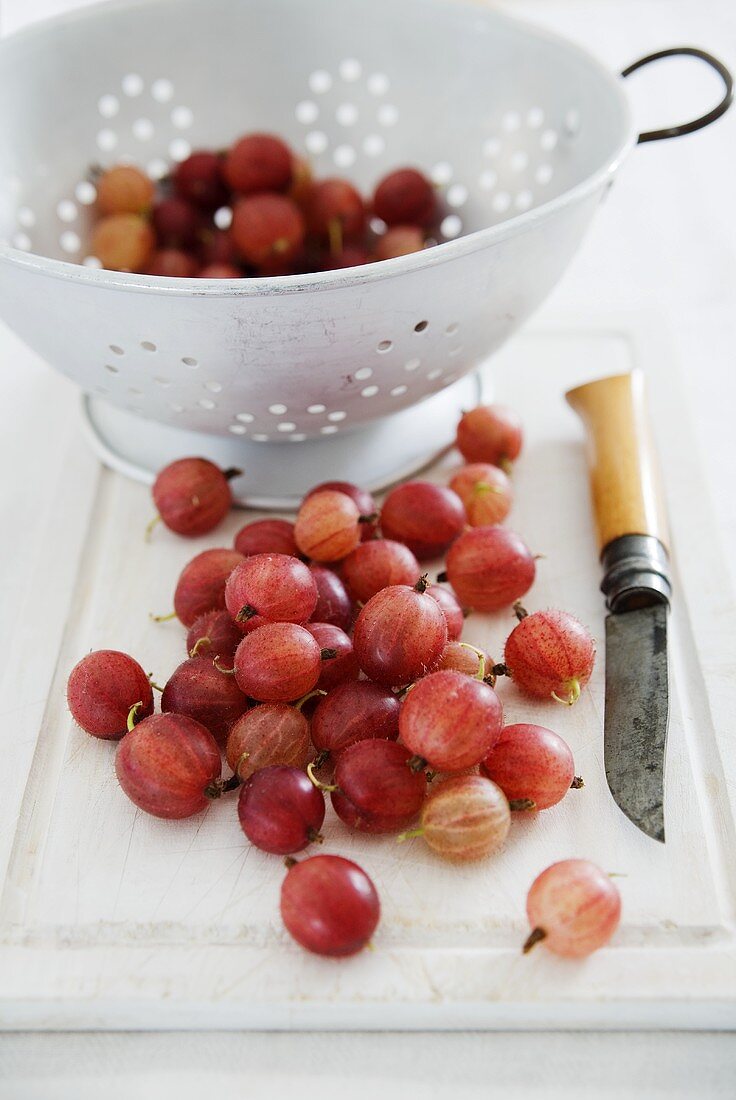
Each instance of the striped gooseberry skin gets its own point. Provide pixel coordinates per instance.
(277, 663)
(271, 733)
(327, 526)
(486, 492)
(451, 720)
(489, 568)
(465, 817)
(166, 763)
(573, 908)
(457, 657)
(400, 635)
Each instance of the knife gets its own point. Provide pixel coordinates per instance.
(633, 541)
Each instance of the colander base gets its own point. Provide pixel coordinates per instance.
(277, 475)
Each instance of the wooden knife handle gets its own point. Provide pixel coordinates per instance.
(624, 473)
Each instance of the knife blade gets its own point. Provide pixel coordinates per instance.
(632, 534)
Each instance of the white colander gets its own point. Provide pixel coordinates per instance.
(521, 131)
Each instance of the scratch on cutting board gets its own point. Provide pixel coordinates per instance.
(125, 861)
(180, 864)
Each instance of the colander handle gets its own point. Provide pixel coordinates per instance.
(704, 120)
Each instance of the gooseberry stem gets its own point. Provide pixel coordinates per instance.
(577, 783)
(222, 786)
(161, 618)
(573, 693)
(519, 610)
(199, 642)
(305, 699)
(535, 936)
(480, 674)
(221, 668)
(522, 804)
(231, 472)
(150, 526)
(132, 713)
(409, 834)
(318, 782)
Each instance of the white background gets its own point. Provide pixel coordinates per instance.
(665, 241)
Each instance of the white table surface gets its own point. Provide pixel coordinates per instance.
(665, 240)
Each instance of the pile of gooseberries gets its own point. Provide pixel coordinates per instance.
(324, 658)
(255, 209)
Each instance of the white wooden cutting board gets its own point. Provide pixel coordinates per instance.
(113, 919)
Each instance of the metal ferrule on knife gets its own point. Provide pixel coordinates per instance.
(635, 572)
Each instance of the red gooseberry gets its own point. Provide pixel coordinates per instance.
(270, 588)
(193, 496)
(335, 212)
(342, 665)
(266, 536)
(277, 662)
(489, 568)
(450, 720)
(329, 905)
(400, 634)
(200, 690)
(271, 733)
(176, 222)
(258, 162)
(378, 564)
(485, 491)
(489, 433)
(215, 636)
(355, 711)
(267, 230)
(101, 690)
(327, 526)
(124, 189)
(199, 179)
(123, 242)
(166, 765)
(377, 791)
(400, 240)
(405, 197)
(464, 818)
(453, 612)
(280, 809)
(172, 263)
(531, 763)
(573, 907)
(550, 654)
(220, 271)
(365, 501)
(425, 517)
(201, 584)
(333, 602)
(461, 657)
